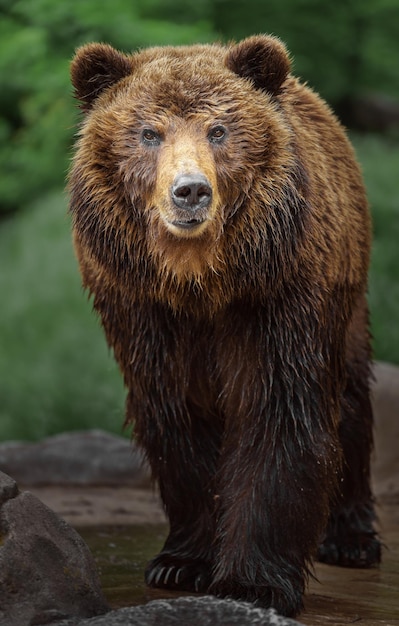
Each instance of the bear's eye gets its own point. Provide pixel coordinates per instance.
(150, 137)
(217, 134)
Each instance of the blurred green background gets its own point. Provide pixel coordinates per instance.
(56, 372)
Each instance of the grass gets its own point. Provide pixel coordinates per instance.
(56, 372)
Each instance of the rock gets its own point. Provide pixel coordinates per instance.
(386, 436)
(8, 488)
(46, 569)
(188, 611)
(77, 458)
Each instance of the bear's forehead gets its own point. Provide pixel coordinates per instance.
(199, 56)
(176, 72)
(187, 81)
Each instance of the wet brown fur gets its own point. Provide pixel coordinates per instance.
(244, 342)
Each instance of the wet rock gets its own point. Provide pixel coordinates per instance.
(77, 458)
(8, 488)
(189, 611)
(46, 570)
(386, 435)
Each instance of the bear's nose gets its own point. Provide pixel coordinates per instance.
(191, 192)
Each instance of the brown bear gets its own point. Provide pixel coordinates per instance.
(221, 224)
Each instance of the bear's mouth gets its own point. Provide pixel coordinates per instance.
(190, 224)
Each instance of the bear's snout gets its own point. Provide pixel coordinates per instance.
(191, 192)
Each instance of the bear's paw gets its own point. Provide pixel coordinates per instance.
(285, 599)
(167, 571)
(353, 550)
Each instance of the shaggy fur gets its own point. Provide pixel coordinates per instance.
(239, 321)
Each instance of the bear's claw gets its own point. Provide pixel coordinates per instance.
(173, 573)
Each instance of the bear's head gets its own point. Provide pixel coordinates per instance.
(174, 143)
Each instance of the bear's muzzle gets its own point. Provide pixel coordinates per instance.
(191, 194)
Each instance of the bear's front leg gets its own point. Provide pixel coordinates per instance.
(180, 441)
(270, 519)
(183, 460)
(279, 464)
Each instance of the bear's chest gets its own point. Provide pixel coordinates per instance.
(225, 361)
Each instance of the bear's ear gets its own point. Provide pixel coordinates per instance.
(263, 59)
(95, 67)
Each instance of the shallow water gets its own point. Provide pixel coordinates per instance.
(339, 596)
(121, 554)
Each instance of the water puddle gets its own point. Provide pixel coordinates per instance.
(121, 554)
(340, 596)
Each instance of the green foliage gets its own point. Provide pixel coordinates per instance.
(37, 41)
(56, 372)
(339, 47)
